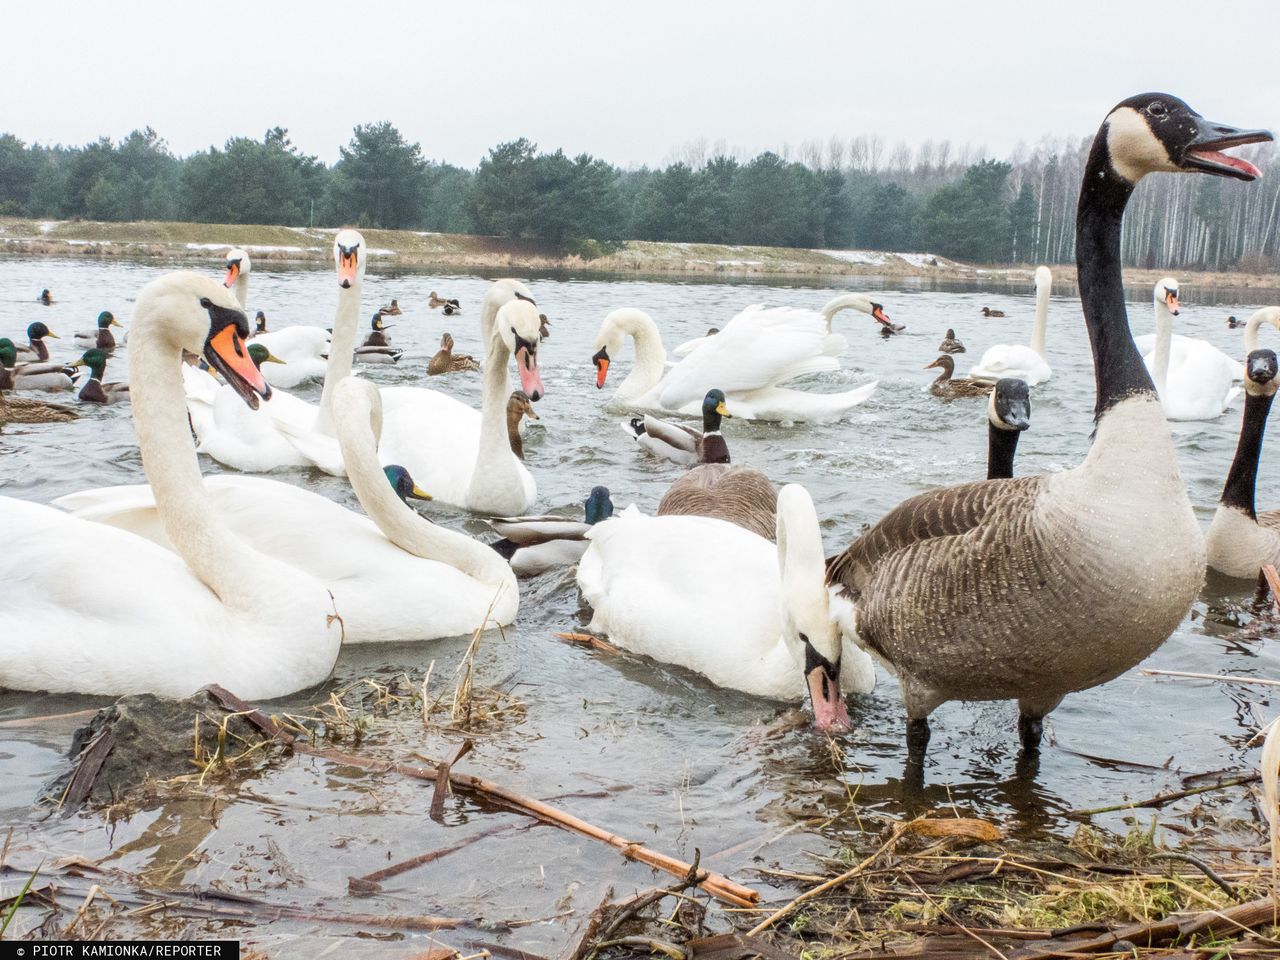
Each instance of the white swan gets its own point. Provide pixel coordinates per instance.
(394, 577)
(845, 301)
(1015, 360)
(755, 352)
(126, 616)
(302, 348)
(1194, 379)
(710, 596)
(256, 441)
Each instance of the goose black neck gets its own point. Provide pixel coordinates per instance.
(1243, 475)
(1001, 446)
(1118, 368)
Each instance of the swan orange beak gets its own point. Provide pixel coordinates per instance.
(601, 360)
(878, 314)
(346, 268)
(226, 352)
(1171, 300)
(233, 272)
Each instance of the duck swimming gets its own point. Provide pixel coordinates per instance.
(534, 545)
(22, 409)
(988, 312)
(393, 310)
(681, 444)
(94, 390)
(49, 377)
(101, 337)
(36, 348)
(519, 406)
(949, 388)
(45, 297)
(377, 345)
(446, 361)
(950, 344)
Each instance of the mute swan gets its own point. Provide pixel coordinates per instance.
(1195, 380)
(1015, 360)
(948, 387)
(950, 344)
(1240, 540)
(100, 337)
(94, 390)
(1008, 414)
(976, 592)
(714, 598)
(393, 575)
(446, 361)
(152, 621)
(302, 348)
(846, 301)
(758, 350)
(534, 545)
(681, 444)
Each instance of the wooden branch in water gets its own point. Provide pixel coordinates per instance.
(1159, 800)
(716, 884)
(1210, 676)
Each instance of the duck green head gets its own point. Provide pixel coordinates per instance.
(8, 352)
(713, 408)
(107, 319)
(259, 354)
(95, 360)
(598, 506)
(38, 331)
(403, 484)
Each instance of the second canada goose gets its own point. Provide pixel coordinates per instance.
(446, 361)
(681, 444)
(519, 406)
(1240, 540)
(100, 337)
(1031, 588)
(988, 312)
(94, 390)
(1008, 414)
(950, 343)
(949, 387)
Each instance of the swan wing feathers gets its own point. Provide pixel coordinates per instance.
(757, 348)
(1011, 360)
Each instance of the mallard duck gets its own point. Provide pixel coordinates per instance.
(101, 337)
(403, 484)
(948, 388)
(393, 310)
(681, 444)
(36, 348)
(988, 312)
(94, 390)
(259, 324)
(445, 361)
(22, 409)
(377, 345)
(44, 297)
(49, 377)
(950, 343)
(451, 306)
(534, 545)
(519, 406)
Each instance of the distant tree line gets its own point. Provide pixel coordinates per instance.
(842, 194)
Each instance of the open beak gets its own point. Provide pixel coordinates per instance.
(233, 272)
(226, 353)
(346, 268)
(829, 711)
(723, 411)
(601, 360)
(878, 314)
(1205, 152)
(1171, 301)
(418, 493)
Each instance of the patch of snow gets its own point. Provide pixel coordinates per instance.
(47, 226)
(261, 247)
(871, 258)
(740, 263)
(919, 259)
(380, 252)
(427, 233)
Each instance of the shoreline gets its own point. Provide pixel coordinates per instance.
(415, 250)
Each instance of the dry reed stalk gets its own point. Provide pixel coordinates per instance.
(1270, 763)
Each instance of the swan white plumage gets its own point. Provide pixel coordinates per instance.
(393, 575)
(861, 302)
(1018, 361)
(758, 350)
(302, 348)
(127, 616)
(1194, 379)
(714, 598)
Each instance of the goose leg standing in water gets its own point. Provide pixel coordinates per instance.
(1008, 414)
(1034, 587)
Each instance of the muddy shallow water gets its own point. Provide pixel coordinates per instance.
(654, 754)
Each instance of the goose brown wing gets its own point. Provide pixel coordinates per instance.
(738, 494)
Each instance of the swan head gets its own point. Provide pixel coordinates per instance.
(1010, 405)
(1154, 132)
(38, 331)
(348, 257)
(808, 629)
(238, 264)
(260, 323)
(8, 352)
(108, 319)
(1044, 277)
(1165, 294)
(608, 344)
(520, 326)
(598, 505)
(403, 484)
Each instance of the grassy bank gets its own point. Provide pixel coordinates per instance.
(461, 253)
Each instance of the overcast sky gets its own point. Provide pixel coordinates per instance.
(626, 81)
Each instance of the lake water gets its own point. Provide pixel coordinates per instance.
(653, 753)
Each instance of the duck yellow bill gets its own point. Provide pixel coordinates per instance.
(419, 494)
(723, 410)
(272, 358)
(52, 334)
(115, 323)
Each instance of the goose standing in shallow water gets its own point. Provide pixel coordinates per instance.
(150, 621)
(534, 545)
(102, 337)
(1195, 380)
(950, 343)
(1015, 360)
(1240, 540)
(446, 361)
(716, 599)
(948, 387)
(1032, 588)
(1008, 414)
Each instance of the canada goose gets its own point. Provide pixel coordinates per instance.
(950, 344)
(1034, 587)
(377, 345)
(259, 324)
(101, 337)
(681, 444)
(1240, 540)
(739, 494)
(534, 545)
(988, 312)
(1195, 380)
(35, 348)
(1016, 360)
(21, 409)
(94, 390)
(1008, 414)
(519, 406)
(393, 310)
(1233, 323)
(949, 388)
(446, 361)
(44, 297)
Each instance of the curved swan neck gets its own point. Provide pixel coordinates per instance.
(1251, 328)
(496, 466)
(1164, 344)
(241, 288)
(1242, 478)
(342, 345)
(846, 301)
(1042, 319)
(358, 414)
(1001, 447)
(651, 356)
(1118, 368)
